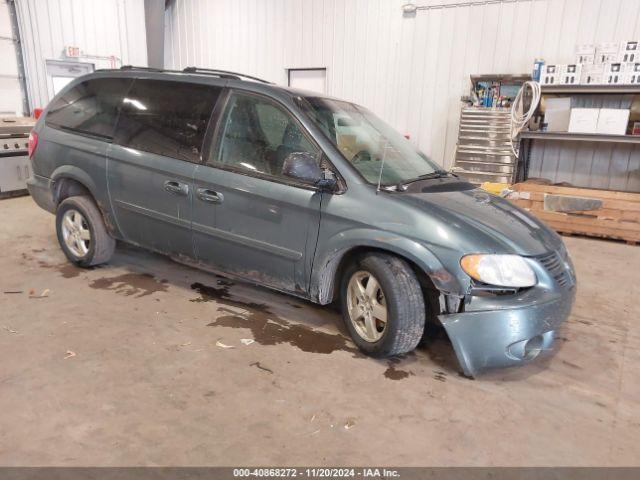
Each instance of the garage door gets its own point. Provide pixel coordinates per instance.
(10, 94)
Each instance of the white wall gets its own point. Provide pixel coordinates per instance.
(410, 70)
(10, 96)
(108, 32)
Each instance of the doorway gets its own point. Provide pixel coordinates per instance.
(62, 72)
(311, 79)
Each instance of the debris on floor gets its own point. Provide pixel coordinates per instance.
(350, 423)
(10, 330)
(247, 341)
(257, 364)
(44, 294)
(69, 354)
(222, 345)
(13, 291)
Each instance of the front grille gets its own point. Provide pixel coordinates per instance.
(556, 267)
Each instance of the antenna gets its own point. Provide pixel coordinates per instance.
(384, 156)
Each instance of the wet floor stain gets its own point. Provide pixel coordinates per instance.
(66, 269)
(221, 295)
(393, 372)
(69, 270)
(267, 327)
(131, 284)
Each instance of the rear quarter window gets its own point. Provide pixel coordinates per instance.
(91, 107)
(167, 118)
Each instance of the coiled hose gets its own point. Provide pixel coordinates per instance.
(519, 118)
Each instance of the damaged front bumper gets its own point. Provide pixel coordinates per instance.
(508, 332)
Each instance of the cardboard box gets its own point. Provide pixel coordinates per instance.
(585, 59)
(570, 74)
(614, 74)
(613, 121)
(549, 75)
(556, 114)
(629, 52)
(591, 74)
(584, 120)
(607, 52)
(632, 74)
(585, 53)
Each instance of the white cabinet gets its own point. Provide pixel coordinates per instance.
(14, 172)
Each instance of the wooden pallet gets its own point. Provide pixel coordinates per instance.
(611, 214)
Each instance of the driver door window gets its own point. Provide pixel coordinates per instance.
(257, 135)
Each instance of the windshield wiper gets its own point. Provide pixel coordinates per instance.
(426, 176)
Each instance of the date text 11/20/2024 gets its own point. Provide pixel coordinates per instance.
(316, 472)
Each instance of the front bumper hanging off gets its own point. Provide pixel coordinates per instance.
(508, 336)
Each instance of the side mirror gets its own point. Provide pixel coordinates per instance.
(304, 166)
(328, 182)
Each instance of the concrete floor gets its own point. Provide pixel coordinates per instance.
(119, 366)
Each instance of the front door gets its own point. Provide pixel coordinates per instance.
(158, 141)
(248, 218)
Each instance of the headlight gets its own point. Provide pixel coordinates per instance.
(500, 270)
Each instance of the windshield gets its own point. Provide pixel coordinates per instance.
(369, 144)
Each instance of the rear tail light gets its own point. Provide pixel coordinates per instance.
(37, 112)
(33, 143)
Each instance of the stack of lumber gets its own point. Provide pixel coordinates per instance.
(595, 213)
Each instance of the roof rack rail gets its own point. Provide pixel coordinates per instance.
(148, 69)
(204, 71)
(224, 74)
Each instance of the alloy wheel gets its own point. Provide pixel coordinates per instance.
(367, 306)
(76, 233)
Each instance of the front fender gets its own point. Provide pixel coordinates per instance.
(330, 253)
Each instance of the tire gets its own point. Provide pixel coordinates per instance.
(80, 250)
(402, 297)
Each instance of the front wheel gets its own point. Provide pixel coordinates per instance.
(82, 233)
(382, 305)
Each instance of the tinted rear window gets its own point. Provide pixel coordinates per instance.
(167, 118)
(90, 107)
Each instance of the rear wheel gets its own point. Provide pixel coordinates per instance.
(82, 233)
(382, 305)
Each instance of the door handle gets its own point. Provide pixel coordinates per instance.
(209, 195)
(176, 187)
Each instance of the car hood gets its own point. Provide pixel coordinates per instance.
(479, 221)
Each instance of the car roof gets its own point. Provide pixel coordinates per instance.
(212, 77)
